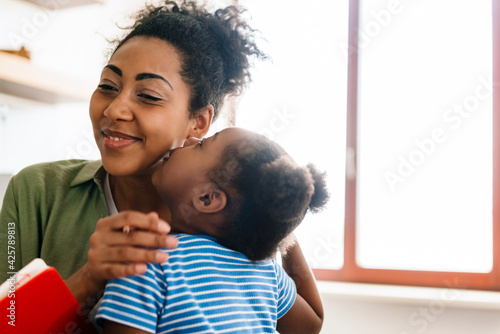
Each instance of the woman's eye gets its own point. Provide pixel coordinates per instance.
(106, 87)
(149, 97)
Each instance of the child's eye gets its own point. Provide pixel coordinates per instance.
(149, 97)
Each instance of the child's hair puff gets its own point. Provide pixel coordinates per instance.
(287, 189)
(269, 195)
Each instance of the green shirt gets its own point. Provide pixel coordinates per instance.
(50, 211)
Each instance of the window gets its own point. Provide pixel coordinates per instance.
(396, 101)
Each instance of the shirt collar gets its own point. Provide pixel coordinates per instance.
(92, 170)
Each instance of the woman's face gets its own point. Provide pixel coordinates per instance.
(140, 109)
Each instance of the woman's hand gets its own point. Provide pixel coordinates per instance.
(121, 246)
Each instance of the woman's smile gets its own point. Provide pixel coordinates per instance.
(117, 140)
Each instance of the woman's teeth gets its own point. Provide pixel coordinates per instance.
(114, 138)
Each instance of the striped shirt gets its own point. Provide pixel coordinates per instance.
(202, 288)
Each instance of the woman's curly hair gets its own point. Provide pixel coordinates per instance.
(268, 195)
(214, 47)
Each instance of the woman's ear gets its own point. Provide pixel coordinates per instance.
(210, 200)
(202, 121)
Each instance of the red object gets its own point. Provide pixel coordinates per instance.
(45, 305)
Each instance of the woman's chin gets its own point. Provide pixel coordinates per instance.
(120, 168)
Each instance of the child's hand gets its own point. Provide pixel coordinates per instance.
(286, 244)
(306, 314)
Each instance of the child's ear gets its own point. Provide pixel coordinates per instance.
(201, 121)
(210, 200)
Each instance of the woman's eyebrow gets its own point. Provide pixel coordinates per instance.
(140, 76)
(114, 69)
(143, 76)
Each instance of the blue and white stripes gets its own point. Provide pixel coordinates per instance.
(202, 288)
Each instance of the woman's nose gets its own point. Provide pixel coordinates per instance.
(119, 109)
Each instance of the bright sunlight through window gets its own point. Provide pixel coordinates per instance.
(425, 136)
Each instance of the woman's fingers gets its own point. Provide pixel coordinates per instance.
(142, 230)
(106, 267)
(113, 253)
(134, 220)
(137, 238)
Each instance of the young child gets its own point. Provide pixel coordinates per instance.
(234, 198)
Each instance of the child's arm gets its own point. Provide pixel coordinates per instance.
(306, 314)
(111, 327)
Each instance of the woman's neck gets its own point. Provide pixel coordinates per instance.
(137, 193)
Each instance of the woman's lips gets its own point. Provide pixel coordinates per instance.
(117, 140)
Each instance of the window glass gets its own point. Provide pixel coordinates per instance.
(424, 179)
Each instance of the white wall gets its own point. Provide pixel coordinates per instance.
(37, 132)
(375, 309)
(348, 316)
(32, 132)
